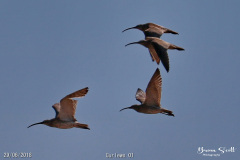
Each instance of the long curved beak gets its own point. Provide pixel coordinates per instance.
(35, 124)
(131, 43)
(129, 28)
(125, 108)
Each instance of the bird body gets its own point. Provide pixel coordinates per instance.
(164, 44)
(143, 108)
(152, 30)
(58, 123)
(150, 100)
(62, 124)
(158, 49)
(65, 112)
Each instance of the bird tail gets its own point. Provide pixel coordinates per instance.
(176, 47)
(83, 126)
(171, 31)
(167, 112)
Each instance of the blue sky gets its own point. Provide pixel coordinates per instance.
(49, 49)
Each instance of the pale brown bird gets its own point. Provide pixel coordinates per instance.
(158, 49)
(65, 112)
(152, 30)
(150, 101)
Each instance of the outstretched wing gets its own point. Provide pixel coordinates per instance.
(56, 108)
(69, 105)
(154, 89)
(78, 94)
(68, 109)
(140, 95)
(153, 54)
(162, 53)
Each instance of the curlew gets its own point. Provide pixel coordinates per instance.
(150, 101)
(158, 49)
(65, 112)
(152, 30)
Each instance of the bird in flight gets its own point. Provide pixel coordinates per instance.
(158, 49)
(150, 101)
(152, 30)
(65, 112)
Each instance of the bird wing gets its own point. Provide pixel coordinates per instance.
(140, 95)
(153, 32)
(69, 105)
(162, 54)
(78, 94)
(154, 89)
(163, 29)
(56, 108)
(153, 54)
(161, 42)
(68, 109)
(170, 31)
(151, 25)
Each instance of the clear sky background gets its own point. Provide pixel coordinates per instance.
(49, 49)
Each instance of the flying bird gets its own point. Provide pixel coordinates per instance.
(150, 101)
(158, 49)
(152, 30)
(65, 112)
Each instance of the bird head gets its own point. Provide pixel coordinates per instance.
(43, 122)
(141, 27)
(142, 42)
(35, 124)
(135, 107)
